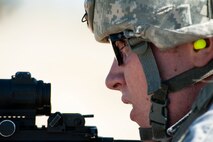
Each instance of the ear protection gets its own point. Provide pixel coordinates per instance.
(200, 44)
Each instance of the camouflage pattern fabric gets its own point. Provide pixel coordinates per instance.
(166, 23)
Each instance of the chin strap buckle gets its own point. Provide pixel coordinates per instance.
(158, 117)
(159, 113)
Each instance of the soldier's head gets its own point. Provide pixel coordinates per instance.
(160, 46)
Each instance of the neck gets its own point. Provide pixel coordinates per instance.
(181, 101)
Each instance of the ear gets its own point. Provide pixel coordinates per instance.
(203, 56)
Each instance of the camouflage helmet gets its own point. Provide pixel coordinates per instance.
(166, 23)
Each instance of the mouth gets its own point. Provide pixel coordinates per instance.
(132, 112)
(125, 100)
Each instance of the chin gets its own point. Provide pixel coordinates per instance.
(134, 117)
(140, 120)
(140, 123)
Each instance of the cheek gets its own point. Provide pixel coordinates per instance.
(137, 87)
(173, 61)
(135, 77)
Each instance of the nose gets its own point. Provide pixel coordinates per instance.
(115, 79)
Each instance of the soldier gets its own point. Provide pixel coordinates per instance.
(163, 65)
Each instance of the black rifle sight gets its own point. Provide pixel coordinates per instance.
(22, 98)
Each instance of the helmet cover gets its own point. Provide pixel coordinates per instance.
(165, 23)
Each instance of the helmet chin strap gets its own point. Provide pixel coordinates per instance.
(159, 112)
(146, 57)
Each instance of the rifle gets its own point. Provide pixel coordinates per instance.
(22, 98)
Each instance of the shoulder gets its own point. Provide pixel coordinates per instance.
(202, 128)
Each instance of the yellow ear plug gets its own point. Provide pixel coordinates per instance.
(199, 44)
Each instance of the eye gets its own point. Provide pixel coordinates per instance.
(123, 47)
(120, 44)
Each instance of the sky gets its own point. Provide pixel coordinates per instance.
(48, 39)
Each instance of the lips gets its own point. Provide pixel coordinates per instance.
(125, 100)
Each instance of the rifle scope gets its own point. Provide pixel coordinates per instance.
(22, 92)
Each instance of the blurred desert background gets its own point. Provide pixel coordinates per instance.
(48, 39)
